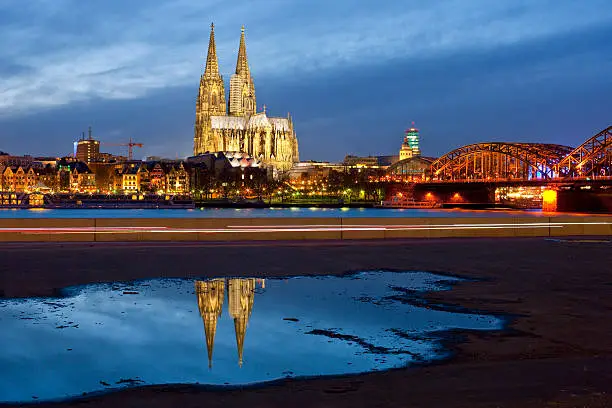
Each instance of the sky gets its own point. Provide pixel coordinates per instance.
(354, 75)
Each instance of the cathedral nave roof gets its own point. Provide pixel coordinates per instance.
(280, 124)
(259, 120)
(228, 122)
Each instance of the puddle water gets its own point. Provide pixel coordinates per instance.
(220, 332)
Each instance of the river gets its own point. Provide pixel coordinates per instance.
(263, 213)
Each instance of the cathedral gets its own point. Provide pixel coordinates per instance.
(236, 126)
(211, 294)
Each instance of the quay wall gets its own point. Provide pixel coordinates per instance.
(261, 229)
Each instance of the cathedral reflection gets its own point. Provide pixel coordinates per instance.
(240, 295)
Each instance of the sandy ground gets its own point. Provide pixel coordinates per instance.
(556, 353)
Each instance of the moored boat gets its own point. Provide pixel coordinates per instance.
(402, 202)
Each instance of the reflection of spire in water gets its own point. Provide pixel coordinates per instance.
(210, 302)
(241, 293)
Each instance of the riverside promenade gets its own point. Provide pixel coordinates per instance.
(556, 351)
(548, 275)
(299, 228)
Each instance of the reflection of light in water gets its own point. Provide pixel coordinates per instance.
(210, 303)
(241, 294)
(147, 333)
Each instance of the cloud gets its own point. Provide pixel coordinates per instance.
(59, 52)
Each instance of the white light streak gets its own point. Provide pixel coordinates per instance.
(315, 228)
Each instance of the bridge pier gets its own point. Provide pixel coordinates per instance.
(456, 193)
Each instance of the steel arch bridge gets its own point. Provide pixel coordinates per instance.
(591, 159)
(413, 167)
(500, 161)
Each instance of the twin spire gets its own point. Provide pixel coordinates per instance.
(212, 62)
(240, 294)
(242, 65)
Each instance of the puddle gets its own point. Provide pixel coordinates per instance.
(220, 332)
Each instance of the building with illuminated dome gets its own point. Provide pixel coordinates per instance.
(410, 147)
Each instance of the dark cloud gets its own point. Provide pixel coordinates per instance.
(553, 88)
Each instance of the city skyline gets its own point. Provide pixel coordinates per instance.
(525, 71)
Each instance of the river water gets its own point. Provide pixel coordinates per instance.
(262, 213)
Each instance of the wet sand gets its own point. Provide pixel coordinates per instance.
(557, 351)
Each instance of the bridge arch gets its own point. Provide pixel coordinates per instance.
(499, 161)
(591, 159)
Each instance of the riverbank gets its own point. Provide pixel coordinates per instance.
(555, 353)
(296, 228)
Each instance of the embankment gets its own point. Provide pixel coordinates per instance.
(245, 229)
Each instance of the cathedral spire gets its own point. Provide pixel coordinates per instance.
(242, 65)
(240, 325)
(212, 63)
(210, 303)
(242, 90)
(241, 293)
(210, 329)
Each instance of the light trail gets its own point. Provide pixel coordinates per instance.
(315, 228)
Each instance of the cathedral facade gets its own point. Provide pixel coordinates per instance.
(235, 125)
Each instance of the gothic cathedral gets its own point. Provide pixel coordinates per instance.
(271, 140)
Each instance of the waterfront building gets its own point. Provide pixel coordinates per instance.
(87, 150)
(387, 160)
(350, 166)
(314, 170)
(30, 179)
(356, 161)
(157, 178)
(105, 175)
(231, 166)
(15, 161)
(413, 168)
(130, 180)
(49, 178)
(373, 162)
(76, 177)
(236, 126)
(111, 158)
(18, 179)
(43, 162)
(410, 146)
(177, 179)
(152, 177)
(9, 179)
(82, 179)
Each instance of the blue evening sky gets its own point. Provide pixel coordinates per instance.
(354, 74)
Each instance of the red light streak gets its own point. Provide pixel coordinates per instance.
(249, 229)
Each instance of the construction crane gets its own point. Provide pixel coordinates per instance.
(130, 146)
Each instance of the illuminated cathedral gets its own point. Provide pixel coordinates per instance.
(236, 126)
(240, 294)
